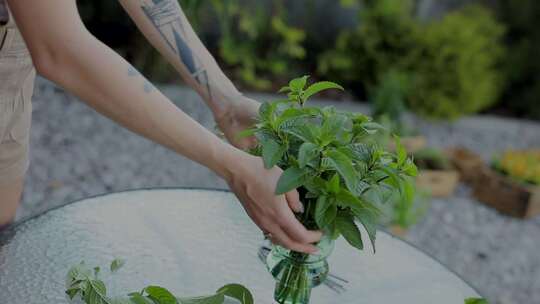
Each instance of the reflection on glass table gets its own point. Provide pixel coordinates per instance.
(193, 241)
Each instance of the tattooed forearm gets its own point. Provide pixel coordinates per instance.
(147, 86)
(167, 18)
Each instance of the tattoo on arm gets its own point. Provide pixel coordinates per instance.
(148, 86)
(167, 18)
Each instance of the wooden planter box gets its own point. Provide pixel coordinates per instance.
(506, 195)
(467, 163)
(440, 183)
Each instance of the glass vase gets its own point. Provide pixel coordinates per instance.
(297, 273)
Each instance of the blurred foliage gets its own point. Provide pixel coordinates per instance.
(256, 40)
(111, 24)
(431, 159)
(388, 100)
(522, 18)
(384, 39)
(457, 71)
(452, 63)
(521, 165)
(406, 213)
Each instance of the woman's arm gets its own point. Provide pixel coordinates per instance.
(66, 53)
(165, 25)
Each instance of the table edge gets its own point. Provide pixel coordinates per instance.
(13, 226)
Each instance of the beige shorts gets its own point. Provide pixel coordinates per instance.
(17, 76)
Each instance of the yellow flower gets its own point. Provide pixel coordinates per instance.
(522, 164)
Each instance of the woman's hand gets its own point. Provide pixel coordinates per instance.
(254, 186)
(239, 116)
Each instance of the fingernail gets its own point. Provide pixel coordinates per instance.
(301, 208)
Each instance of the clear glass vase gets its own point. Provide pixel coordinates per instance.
(297, 273)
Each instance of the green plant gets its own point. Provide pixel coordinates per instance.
(389, 99)
(453, 64)
(257, 39)
(333, 158)
(406, 212)
(520, 165)
(384, 40)
(522, 92)
(84, 282)
(476, 301)
(457, 71)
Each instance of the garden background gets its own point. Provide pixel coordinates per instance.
(454, 73)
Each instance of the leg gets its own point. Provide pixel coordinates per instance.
(11, 195)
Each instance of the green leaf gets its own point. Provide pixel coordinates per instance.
(361, 152)
(320, 86)
(315, 185)
(78, 272)
(72, 292)
(299, 83)
(393, 177)
(237, 291)
(96, 293)
(373, 127)
(408, 190)
(325, 211)
(292, 122)
(400, 151)
(302, 132)
(346, 226)
(369, 219)
(272, 153)
(96, 271)
(137, 298)
(160, 295)
(267, 110)
(410, 168)
(344, 167)
(117, 264)
(476, 301)
(332, 127)
(264, 134)
(307, 152)
(333, 184)
(292, 113)
(284, 89)
(246, 133)
(290, 179)
(347, 199)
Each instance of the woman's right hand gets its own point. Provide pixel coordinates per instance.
(254, 186)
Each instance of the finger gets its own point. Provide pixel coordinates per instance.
(279, 237)
(294, 201)
(295, 230)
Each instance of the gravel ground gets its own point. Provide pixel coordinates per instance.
(77, 153)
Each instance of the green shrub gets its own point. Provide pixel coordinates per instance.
(256, 40)
(522, 18)
(453, 62)
(388, 100)
(385, 39)
(457, 69)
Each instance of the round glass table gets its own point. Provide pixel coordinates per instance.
(193, 241)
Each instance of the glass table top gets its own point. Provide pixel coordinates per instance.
(193, 241)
